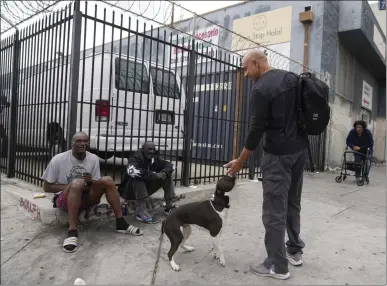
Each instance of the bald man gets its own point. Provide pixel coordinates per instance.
(74, 177)
(273, 113)
(146, 174)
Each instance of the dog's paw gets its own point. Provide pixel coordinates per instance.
(188, 248)
(174, 266)
(222, 261)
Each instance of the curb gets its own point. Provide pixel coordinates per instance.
(41, 209)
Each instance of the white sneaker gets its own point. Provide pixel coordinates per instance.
(294, 259)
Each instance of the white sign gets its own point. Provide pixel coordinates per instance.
(275, 60)
(366, 100)
(205, 39)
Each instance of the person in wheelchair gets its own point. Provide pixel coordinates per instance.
(360, 140)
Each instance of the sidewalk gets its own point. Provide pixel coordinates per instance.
(343, 226)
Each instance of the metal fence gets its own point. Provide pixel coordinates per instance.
(121, 93)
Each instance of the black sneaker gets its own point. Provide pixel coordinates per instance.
(167, 210)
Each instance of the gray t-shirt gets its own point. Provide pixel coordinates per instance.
(64, 167)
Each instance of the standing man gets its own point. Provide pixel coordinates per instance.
(74, 177)
(146, 174)
(273, 113)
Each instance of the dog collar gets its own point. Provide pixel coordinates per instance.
(211, 203)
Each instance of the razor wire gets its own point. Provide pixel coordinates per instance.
(187, 26)
(14, 13)
(165, 14)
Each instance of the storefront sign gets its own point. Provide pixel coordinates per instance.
(205, 39)
(269, 28)
(366, 100)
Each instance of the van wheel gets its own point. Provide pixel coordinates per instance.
(3, 143)
(57, 144)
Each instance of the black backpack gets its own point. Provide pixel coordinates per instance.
(313, 111)
(312, 104)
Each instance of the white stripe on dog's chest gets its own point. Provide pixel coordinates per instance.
(222, 214)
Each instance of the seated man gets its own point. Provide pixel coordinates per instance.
(75, 177)
(360, 140)
(147, 173)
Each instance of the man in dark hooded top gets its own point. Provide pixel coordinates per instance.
(145, 174)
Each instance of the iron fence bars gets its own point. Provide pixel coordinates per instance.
(6, 67)
(11, 152)
(189, 115)
(42, 87)
(74, 78)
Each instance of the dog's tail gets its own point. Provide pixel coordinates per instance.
(162, 227)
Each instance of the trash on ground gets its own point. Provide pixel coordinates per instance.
(79, 281)
(41, 195)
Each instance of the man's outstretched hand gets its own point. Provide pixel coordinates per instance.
(234, 167)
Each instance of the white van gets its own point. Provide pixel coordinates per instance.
(138, 94)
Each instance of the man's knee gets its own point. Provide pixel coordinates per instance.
(140, 189)
(107, 182)
(77, 185)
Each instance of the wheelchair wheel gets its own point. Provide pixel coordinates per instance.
(339, 179)
(360, 183)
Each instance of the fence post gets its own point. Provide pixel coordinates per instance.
(239, 93)
(12, 119)
(189, 115)
(74, 73)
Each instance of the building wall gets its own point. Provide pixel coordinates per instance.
(347, 101)
(380, 16)
(346, 111)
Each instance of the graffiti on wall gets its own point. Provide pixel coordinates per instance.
(31, 208)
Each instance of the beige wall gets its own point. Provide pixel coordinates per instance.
(380, 138)
(342, 119)
(338, 129)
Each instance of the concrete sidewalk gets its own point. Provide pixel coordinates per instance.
(343, 226)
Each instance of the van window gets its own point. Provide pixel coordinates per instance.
(164, 83)
(125, 76)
